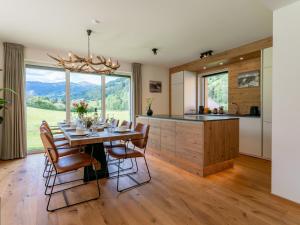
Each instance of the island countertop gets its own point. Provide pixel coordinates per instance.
(195, 118)
(199, 144)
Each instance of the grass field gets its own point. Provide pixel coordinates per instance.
(35, 116)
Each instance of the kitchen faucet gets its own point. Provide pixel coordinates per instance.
(237, 108)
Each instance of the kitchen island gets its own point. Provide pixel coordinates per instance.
(199, 144)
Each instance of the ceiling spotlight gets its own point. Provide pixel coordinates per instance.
(154, 50)
(221, 63)
(242, 58)
(204, 67)
(206, 54)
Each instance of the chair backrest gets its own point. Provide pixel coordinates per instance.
(126, 124)
(115, 122)
(49, 145)
(144, 129)
(46, 125)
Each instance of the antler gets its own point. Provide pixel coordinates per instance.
(79, 64)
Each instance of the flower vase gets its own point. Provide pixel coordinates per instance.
(149, 111)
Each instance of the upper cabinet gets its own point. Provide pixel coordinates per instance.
(183, 92)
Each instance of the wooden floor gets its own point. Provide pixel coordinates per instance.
(235, 197)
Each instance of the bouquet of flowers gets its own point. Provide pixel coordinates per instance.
(81, 108)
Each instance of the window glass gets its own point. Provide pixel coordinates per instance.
(216, 91)
(45, 100)
(117, 92)
(86, 87)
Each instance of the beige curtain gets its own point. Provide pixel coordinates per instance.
(137, 88)
(14, 133)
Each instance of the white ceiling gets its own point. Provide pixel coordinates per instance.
(181, 29)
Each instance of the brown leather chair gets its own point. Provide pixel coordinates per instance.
(56, 133)
(126, 124)
(108, 144)
(61, 165)
(62, 151)
(59, 142)
(137, 151)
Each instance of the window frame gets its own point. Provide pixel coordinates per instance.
(103, 94)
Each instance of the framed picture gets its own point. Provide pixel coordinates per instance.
(248, 79)
(155, 86)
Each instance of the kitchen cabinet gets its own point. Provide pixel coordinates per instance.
(183, 92)
(250, 136)
(267, 103)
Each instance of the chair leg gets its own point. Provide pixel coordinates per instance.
(118, 176)
(69, 205)
(51, 192)
(133, 179)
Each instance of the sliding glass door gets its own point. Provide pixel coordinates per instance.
(45, 100)
(50, 93)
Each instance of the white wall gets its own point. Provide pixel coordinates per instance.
(160, 103)
(286, 103)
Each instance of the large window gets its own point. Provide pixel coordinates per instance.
(216, 90)
(45, 100)
(50, 93)
(117, 91)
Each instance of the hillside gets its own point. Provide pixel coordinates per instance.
(52, 95)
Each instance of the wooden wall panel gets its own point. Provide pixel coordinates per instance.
(244, 97)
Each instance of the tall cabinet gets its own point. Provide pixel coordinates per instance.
(183, 92)
(267, 103)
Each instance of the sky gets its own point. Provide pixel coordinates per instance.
(52, 76)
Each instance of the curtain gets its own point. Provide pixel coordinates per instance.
(137, 88)
(14, 132)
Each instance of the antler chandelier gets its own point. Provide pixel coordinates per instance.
(74, 63)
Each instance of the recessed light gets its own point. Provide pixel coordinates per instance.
(96, 21)
(241, 58)
(204, 67)
(221, 63)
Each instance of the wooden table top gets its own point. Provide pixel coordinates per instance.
(98, 137)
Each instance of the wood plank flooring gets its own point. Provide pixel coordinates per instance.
(233, 197)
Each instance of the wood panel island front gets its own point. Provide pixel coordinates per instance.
(199, 144)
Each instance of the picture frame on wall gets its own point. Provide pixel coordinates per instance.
(248, 79)
(155, 86)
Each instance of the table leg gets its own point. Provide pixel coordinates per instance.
(99, 154)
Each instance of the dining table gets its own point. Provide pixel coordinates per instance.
(92, 143)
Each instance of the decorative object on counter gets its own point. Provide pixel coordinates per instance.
(248, 79)
(215, 111)
(155, 86)
(87, 64)
(207, 111)
(149, 103)
(3, 102)
(221, 110)
(81, 108)
(201, 109)
(254, 111)
(206, 54)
